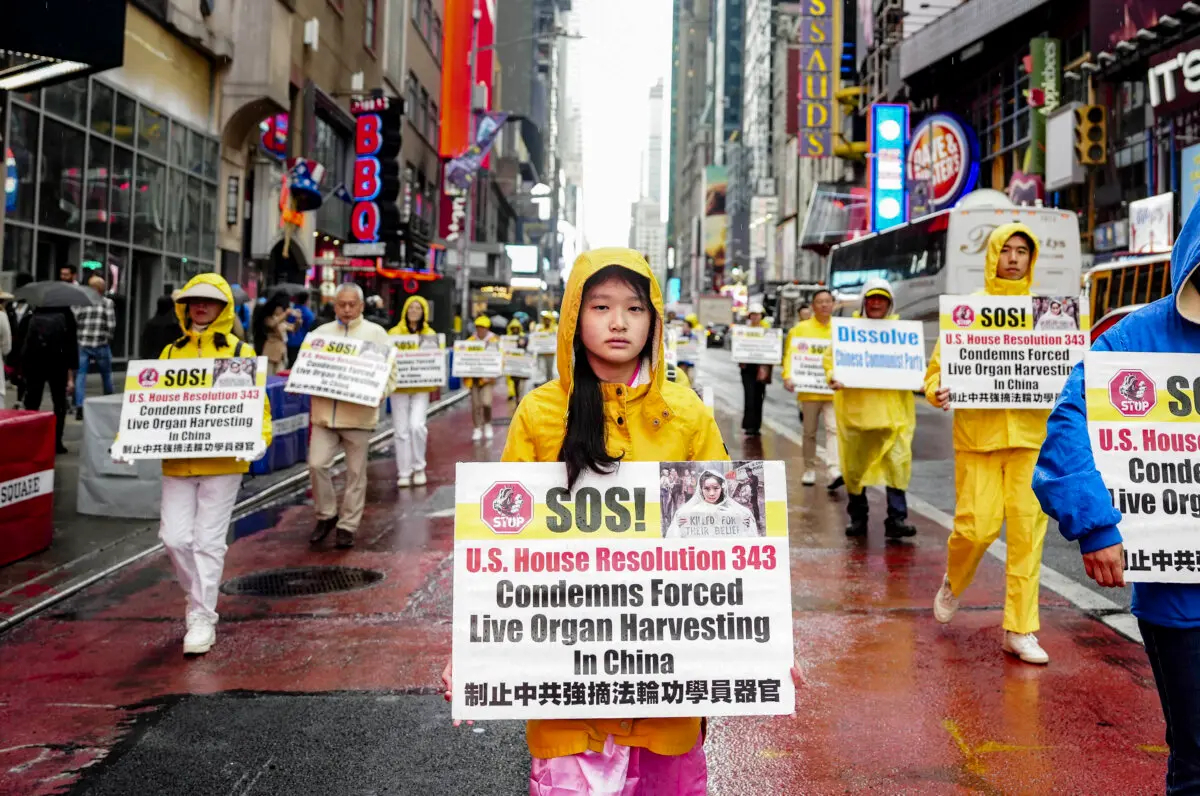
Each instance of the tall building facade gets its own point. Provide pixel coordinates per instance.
(758, 165)
(691, 117)
(647, 232)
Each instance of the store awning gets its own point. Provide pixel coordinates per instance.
(954, 31)
(39, 46)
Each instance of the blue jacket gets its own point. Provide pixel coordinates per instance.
(1066, 481)
(298, 333)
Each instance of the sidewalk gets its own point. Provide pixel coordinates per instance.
(85, 546)
(338, 693)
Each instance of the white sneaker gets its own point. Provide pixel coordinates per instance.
(477, 435)
(945, 604)
(419, 478)
(201, 635)
(809, 478)
(487, 431)
(404, 480)
(1025, 646)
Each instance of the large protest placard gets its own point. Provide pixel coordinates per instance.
(510, 342)
(754, 345)
(342, 368)
(192, 408)
(543, 342)
(1008, 352)
(621, 599)
(670, 346)
(420, 360)
(1144, 425)
(808, 365)
(520, 364)
(687, 347)
(886, 355)
(478, 359)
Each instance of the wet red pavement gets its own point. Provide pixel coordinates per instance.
(895, 703)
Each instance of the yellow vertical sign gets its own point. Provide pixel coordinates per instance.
(820, 63)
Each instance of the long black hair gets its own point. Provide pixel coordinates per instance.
(584, 445)
(258, 321)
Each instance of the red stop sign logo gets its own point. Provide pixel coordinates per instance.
(507, 507)
(1132, 393)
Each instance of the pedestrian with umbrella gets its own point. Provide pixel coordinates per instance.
(50, 345)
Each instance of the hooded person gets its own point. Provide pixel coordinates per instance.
(755, 379)
(875, 430)
(611, 403)
(410, 404)
(816, 409)
(481, 389)
(516, 385)
(1072, 491)
(198, 495)
(994, 455)
(712, 512)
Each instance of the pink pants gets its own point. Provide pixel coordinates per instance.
(621, 771)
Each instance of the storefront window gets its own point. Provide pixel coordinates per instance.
(148, 203)
(96, 207)
(61, 177)
(68, 100)
(98, 171)
(23, 140)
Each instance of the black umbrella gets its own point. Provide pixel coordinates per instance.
(57, 294)
(290, 288)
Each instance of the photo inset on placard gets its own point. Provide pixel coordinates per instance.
(712, 499)
(374, 351)
(1055, 314)
(234, 372)
(428, 342)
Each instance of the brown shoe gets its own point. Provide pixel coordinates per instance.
(322, 530)
(345, 539)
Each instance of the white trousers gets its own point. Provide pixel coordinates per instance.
(408, 420)
(195, 521)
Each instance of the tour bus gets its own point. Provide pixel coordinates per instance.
(943, 253)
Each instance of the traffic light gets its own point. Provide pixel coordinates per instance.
(417, 250)
(1091, 135)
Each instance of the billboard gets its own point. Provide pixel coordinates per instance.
(819, 36)
(943, 150)
(375, 217)
(1112, 21)
(716, 222)
(887, 127)
(1045, 82)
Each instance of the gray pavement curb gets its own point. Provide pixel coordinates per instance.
(287, 486)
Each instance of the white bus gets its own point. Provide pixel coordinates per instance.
(944, 253)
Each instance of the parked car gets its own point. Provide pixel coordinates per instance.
(718, 333)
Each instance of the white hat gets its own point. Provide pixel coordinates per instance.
(202, 290)
(756, 308)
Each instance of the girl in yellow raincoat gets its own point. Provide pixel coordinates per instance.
(875, 431)
(618, 406)
(410, 404)
(995, 451)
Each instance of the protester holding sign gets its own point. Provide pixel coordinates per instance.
(994, 455)
(755, 378)
(1076, 494)
(198, 494)
(618, 406)
(409, 404)
(875, 433)
(481, 389)
(804, 374)
(345, 424)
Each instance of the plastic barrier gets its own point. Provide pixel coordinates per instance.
(26, 483)
(289, 421)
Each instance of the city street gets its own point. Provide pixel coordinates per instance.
(339, 693)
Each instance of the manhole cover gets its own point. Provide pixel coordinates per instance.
(301, 581)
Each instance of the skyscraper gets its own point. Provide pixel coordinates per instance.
(647, 232)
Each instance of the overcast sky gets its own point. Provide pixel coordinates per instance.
(626, 50)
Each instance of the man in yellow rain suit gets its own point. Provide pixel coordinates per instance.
(875, 431)
(995, 451)
(815, 407)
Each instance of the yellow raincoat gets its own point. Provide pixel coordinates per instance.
(202, 345)
(402, 328)
(816, 330)
(995, 451)
(875, 429)
(659, 421)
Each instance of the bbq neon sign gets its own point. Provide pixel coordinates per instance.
(375, 218)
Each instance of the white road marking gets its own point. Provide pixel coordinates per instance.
(1069, 589)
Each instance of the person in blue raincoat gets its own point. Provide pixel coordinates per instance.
(1071, 490)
